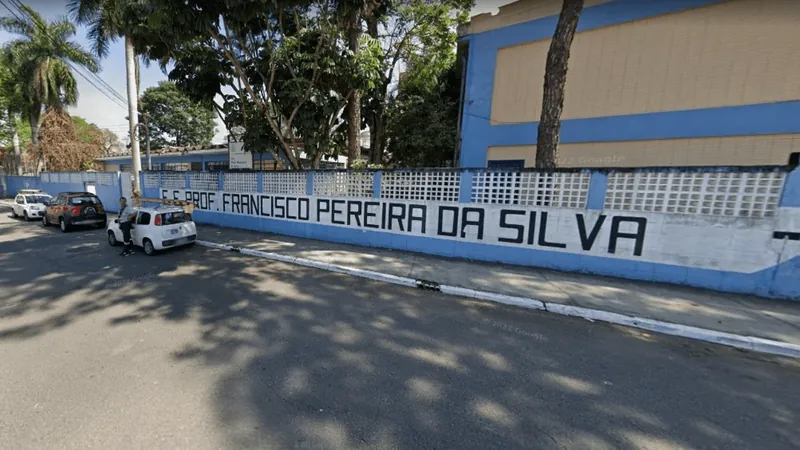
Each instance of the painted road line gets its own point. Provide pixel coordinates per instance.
(750, 343)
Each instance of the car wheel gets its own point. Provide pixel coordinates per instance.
(149, 249)
(63, 225)
(14, 213)
(25, 216)
(44, 221)
(112, 239)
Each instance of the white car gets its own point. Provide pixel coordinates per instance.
(157, 228)
(30, 204)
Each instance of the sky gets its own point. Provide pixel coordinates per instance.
(94, 106)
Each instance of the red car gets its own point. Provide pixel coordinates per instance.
(69, 209)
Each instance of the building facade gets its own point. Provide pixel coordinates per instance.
(650, 83)
(201, 158)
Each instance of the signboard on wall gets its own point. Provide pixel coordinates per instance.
(238, 158)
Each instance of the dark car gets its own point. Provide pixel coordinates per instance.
(69, 209)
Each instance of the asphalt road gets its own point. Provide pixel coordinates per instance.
(202, 349)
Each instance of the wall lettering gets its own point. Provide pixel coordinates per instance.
(525, 227)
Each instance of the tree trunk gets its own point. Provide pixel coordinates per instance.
(554, 80)
(34, 121)
(354, 103)
(133, 113)
(377, 136)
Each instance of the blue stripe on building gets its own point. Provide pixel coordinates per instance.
(478, 134)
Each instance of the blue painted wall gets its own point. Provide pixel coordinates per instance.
(478, 134)
(108, 194)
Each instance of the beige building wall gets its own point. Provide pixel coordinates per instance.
(737, 52)
(733, 150)
(519, 12)
(110, 167)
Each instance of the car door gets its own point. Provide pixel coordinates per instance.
(19, 205)
(140, 228)
(53, 209)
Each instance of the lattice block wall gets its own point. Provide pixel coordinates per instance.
(241, 182)
(432, 186)
(45, 177)
(152, 180)
(292, 183)
(737, 194)
(343, 184)
(204, 181)
(173, 180)
(564, 190)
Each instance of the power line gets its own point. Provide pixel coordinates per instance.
(122, 104)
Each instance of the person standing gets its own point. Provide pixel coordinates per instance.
(126, 217)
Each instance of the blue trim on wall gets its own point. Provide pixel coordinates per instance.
(791, 190)
(478, 135)
(598, 184)
(465, 188)
(376, 184)
(759, 283)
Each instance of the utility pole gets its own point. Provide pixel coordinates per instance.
(133, 115)
(147, 141)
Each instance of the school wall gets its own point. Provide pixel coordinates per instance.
(106, 185)
(679, 76)
(723, 228)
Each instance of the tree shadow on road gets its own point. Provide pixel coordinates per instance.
(314, 360)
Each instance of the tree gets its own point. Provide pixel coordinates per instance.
(68, 143)
(423, 122)
(111, 144)
(108, 21)
(279, 67)
(555, 79)
(174, 119)
(40, 63)
(415, 33)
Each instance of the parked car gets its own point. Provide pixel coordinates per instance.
(30, 204)
(70, 209)
(157, 228)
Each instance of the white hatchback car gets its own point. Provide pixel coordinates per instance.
(157, 228)
(30, 204)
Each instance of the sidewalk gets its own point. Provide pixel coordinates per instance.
(728, 313)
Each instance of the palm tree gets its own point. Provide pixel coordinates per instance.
(106, 21)
(41, 60)
(41, 64)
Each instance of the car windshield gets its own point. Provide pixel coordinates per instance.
(84, 200)
(37, 198)
(172, 218)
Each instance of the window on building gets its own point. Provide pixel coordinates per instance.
(506, 164)
(268, 164)
(217, 165)
(178, 167)
(196, 166)
(126, 168)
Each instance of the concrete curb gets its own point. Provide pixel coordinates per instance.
(750, 343)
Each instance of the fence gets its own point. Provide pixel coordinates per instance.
(106, 185)
(725, 228)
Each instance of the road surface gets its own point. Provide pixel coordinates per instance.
(202, 349)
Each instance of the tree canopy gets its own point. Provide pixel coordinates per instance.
(173, 119)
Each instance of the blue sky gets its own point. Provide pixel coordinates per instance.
(94, 106)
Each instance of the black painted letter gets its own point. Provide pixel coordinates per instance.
(641, 225)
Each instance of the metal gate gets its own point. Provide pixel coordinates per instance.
(126, 184)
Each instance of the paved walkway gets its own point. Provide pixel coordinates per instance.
(737, 314)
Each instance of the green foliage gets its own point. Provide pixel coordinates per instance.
(423, 124)
(420, 35)
(286, 63)
(39, 60)
(87, 133)
(174, 119)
